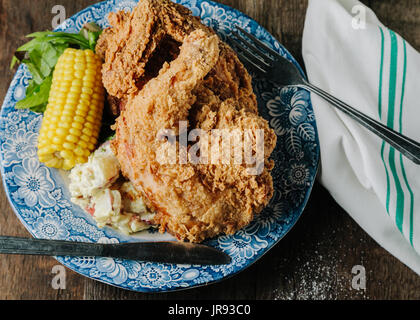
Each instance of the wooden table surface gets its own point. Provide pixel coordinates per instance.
(316, 258)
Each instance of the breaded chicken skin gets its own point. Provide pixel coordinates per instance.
(198, 81)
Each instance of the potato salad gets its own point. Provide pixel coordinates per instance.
(98, 188)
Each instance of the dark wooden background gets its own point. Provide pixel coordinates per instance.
(315, 259)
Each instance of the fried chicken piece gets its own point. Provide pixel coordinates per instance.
(137, 44)
(203, 83)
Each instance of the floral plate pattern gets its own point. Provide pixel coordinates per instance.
(41, 200)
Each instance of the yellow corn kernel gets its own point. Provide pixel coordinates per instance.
(82, 159)
(79, 152)
(69, 131)
(77, 125)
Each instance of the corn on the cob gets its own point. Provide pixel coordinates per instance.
(72, 120)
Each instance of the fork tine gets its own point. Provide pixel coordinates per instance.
(260, 62)
(263, 57)
(251, 65)
(259, 42)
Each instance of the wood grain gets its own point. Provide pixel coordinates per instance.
(315, 259)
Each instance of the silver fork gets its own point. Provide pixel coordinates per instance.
(268, 64)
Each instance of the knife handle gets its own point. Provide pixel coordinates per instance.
(14, 245)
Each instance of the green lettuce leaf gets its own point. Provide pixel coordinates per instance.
(36, 96)
(41, 55)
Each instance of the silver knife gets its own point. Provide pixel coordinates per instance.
(160, 252)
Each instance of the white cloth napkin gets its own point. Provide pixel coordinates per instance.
(349, 53)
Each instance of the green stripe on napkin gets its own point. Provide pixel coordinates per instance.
(401, 157)
(390, 123)
(388, 191)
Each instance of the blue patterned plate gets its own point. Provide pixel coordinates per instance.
(41, 199)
